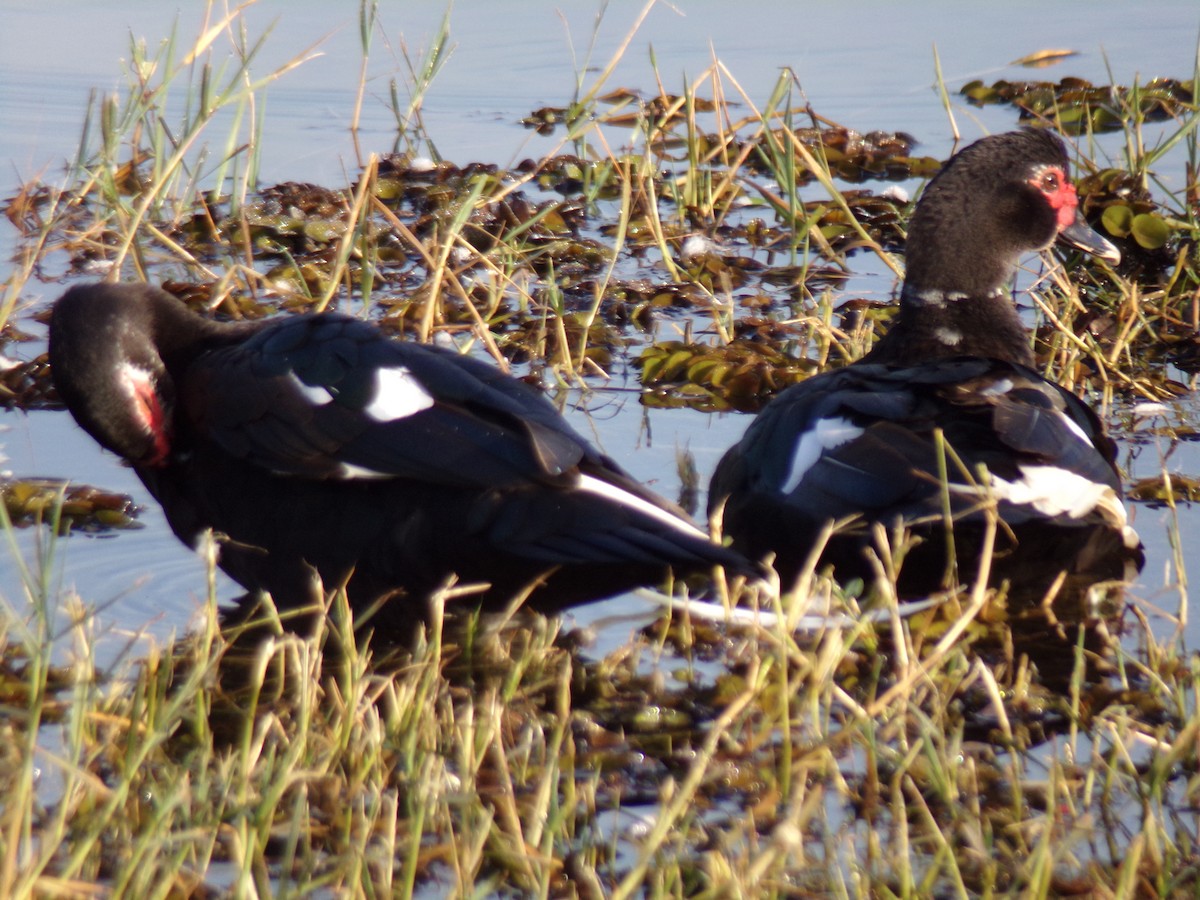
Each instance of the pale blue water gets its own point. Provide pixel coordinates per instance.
(869, 66)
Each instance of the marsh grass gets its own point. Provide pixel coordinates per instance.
(968, 749)
(697, 759)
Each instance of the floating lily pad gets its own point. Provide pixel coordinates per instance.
(1150, 231)
(1118, 220)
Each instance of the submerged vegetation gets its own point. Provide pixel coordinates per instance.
(965, 749)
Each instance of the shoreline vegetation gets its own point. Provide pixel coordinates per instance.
(964, 749)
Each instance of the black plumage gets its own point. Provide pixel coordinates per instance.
(945, 414)
(321, 452)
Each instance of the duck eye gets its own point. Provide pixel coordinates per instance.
(1050, 182)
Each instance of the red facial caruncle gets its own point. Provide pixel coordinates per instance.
(148, 411)
(1060, 193)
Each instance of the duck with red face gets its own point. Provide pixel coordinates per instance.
(946, 412)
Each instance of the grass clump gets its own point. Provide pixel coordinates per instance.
(910, 756)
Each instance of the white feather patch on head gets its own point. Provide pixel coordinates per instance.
(132, 377)
(622, 497)
(397, 395)
(141, 390)
(825, 434)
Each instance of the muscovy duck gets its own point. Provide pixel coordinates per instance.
(321, 452)
(863, 445)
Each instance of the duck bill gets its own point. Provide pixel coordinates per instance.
(1080, 235)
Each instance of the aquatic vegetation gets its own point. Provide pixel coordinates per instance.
(75, 507)
(1076, 106)
(708, 262)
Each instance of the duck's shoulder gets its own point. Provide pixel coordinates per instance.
(891, 420)
(937, 393)
(333, 396)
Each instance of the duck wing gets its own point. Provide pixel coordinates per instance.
(332, 397)
(872, 441)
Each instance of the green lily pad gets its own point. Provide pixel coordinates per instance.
(1150, 231)
(1118, 220)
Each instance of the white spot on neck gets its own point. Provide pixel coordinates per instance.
(825, 434)
(937, 298)
(949, 336)
(397, 395)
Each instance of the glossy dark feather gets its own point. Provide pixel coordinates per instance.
(321, 452)
(944, 411)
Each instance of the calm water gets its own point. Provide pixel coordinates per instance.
(872, 69)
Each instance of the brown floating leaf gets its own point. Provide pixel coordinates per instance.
(740, 375)
(1155, 490)
(27, 385)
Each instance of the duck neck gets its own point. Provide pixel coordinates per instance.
(938, 324)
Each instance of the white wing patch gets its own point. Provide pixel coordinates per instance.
(397, 395)
(1056, 492)
(314, 394)
(350, 471)
(611, 492)
(825, 434)
(1075, 429)
(997, 388)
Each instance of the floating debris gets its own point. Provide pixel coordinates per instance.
(27, 385)
(1161, 490)
(740, 375)
(35, 501)
(1041, 59)
(1076, 106)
